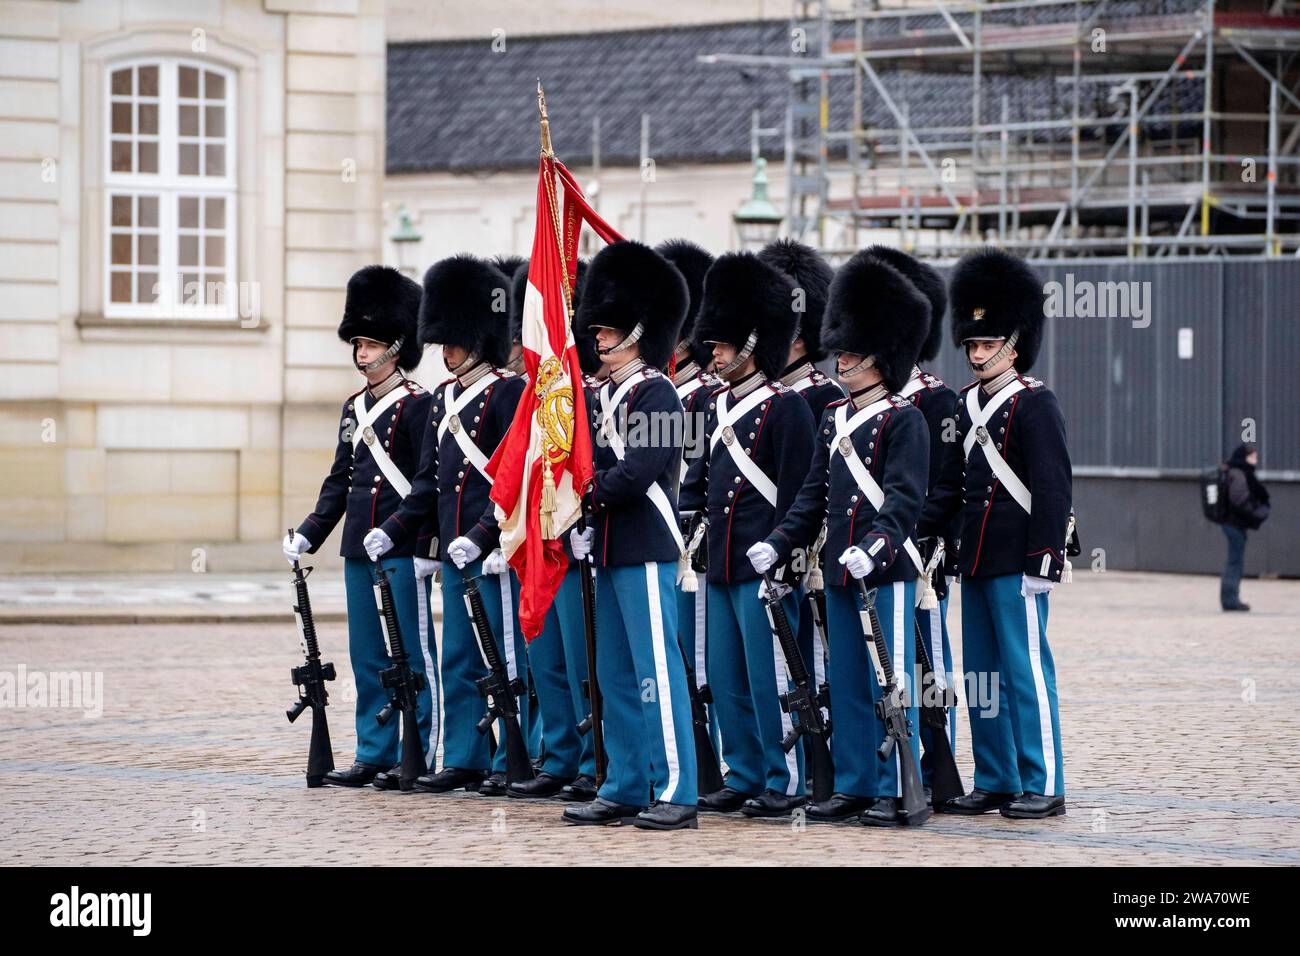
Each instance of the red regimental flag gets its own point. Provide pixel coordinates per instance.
(544, 465)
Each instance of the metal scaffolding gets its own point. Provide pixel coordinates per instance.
(1114, 163)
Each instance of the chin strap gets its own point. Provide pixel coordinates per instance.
(981, 367)
(866, 363)
(389, 354)
(628, 340)
(470, 360)
(742, 356)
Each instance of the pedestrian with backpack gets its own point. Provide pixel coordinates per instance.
(1244, 507)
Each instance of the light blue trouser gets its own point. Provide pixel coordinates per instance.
(462, 664)
(649, 739)
(1016, 739)
(858, 732)
(558, 657)
(933, 623)
(380, 746)
(692, 627)
(748, 674)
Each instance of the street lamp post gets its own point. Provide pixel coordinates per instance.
(406, 238)
(757, 221)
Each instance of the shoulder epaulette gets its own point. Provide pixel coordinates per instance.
(931, 381)
(1032, 382)
(653, 373)
(415, 388)
(899, 401)
(780, 388)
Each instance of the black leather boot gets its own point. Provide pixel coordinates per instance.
(600, 813)
(542, 785)
(977, 802)
(769, 803)
(667, 816)
(725, 800)
(450, 778)
(358, 775)
(840, 806)
(582, 790)
(1034, 806)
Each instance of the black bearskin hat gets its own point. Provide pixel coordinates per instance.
(467, 303)
(629, 284)
(874, 310)
(743, 294)
(507, 264)
(384, 305)
(994, 294)
(519, 288)
(811, 273)
(926, 278)
(693, 263)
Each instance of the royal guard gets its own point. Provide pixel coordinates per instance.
(938, 403)
(867, 483)
(381, 434)
(759, 436)
(514, 268)
(811, 275)
(635, 301)
(465, 311)
(694, 380)
(557, 657)
(1006, 481)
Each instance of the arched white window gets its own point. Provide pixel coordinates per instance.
(170, 174)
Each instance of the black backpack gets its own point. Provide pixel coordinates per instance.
(1214, 494)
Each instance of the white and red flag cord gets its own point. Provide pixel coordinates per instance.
(543, 467)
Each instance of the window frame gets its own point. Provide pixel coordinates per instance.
(169, 185)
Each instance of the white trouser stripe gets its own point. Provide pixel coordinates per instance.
(508, 625)
(1035, 639)
(701, 629)
(899, 654)
(782, 683)
(819, 654)
(936, 658)
(428, 647)
(663, 690)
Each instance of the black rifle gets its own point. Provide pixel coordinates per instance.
(310, 680)
(708, 769)
(816, 590)
(800, 702)
(498, 690)
(945, 780)
(591, 686)
(404, 683)
(912, 810)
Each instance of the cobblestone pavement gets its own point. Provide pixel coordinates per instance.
(1180, 728)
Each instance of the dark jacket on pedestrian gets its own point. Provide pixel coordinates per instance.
(1248, 505)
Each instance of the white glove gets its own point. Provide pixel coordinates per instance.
(496, 563)
(462, 551)
(762, 556)
(858, 562)
(424, 567)
(293, 547)
(1031, 585)
(581, 541)
(376, 543)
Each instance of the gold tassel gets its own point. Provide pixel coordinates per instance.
(548, 502)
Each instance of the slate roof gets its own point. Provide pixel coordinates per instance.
(459, 106)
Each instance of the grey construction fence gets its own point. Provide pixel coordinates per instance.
(1161, 367)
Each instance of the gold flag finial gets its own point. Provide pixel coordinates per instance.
(546, 123)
